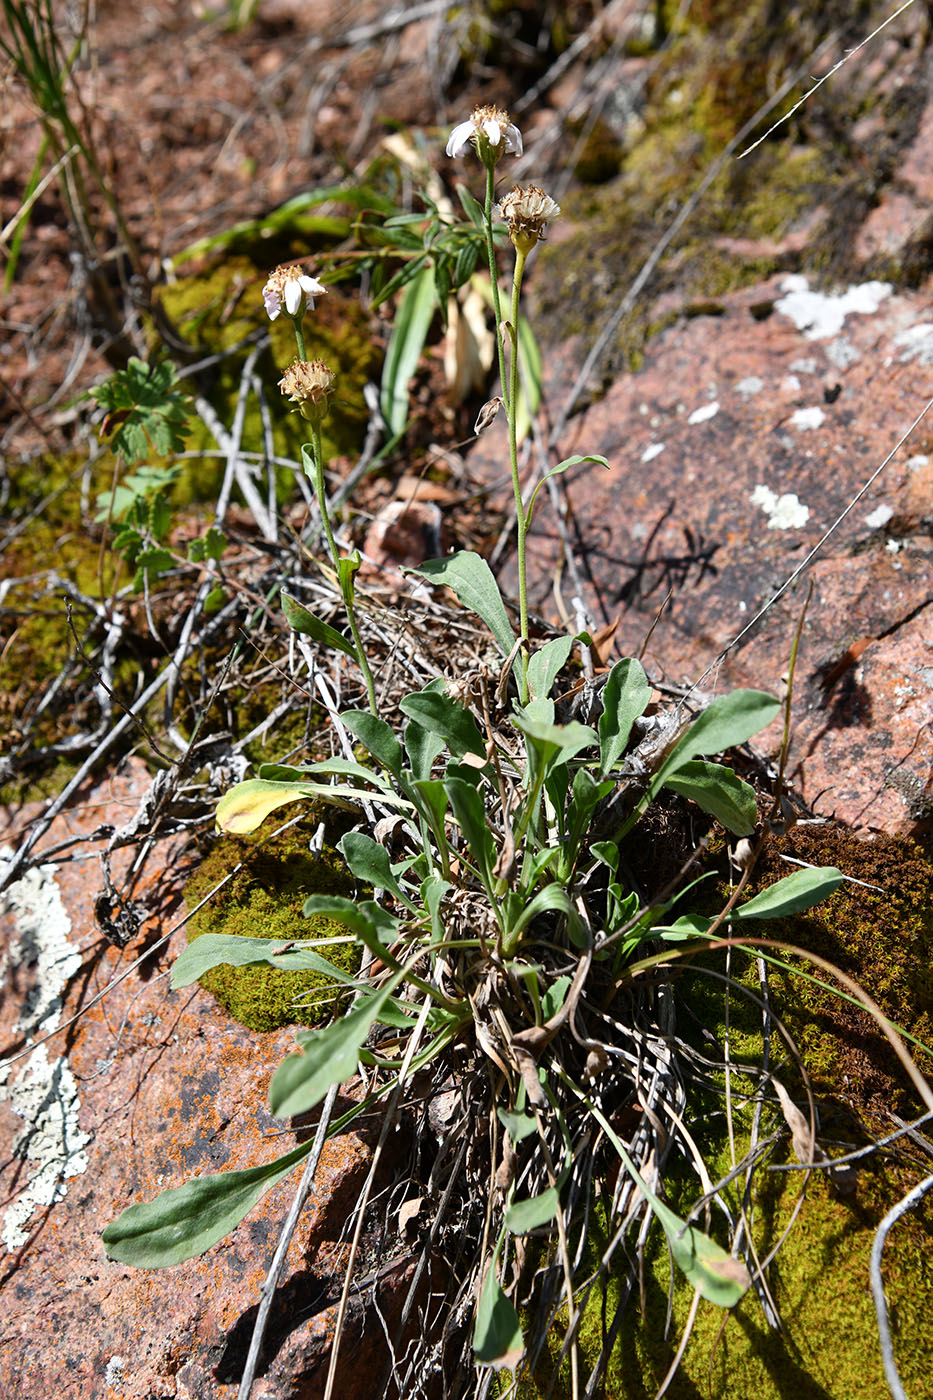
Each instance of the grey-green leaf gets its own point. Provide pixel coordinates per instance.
(328, 1056)
(470, 577)
(625, 698)
(497, 1337)
(546, 664)
(377, 737)
(436, 712)
(231, 950)
(795, 892)
(727, 721)
(187, 1220)
(300, 620)
(369, 861)
(523, 1216)
(718, 791)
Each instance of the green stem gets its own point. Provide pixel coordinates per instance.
(493, 276)
(299, 336)
(510, 395)
(520, 521)
(321, 492)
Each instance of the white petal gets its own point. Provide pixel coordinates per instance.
(513, 140)
(460, 138)
(292, 297)
(312, 286)
(493, 130)
(272, 304)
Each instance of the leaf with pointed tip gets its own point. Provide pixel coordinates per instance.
(523, 1216)
(728, 720)
(369, 862)
(436, 712)
(718, 791)
(187, 1220)
(377, 737)
(303, 621)
(470, 577)
(794, 893)
(233, 950)
(497, 1335)
(328, 1056)
(546, 664)
(625, 698)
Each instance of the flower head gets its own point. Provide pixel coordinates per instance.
(307, 384)
(527, 213)
(491, 131)
(287, 286)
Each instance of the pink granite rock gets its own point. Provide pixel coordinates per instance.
(738, 444)
(149, 1088)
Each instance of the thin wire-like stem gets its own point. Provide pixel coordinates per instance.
(510, 396)
(317, 453)
(267, 1291)
(521, 523)
(494, 279)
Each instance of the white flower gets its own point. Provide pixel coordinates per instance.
(288, 285)
(493, 133)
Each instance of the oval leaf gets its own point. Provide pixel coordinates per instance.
(188, 1219)
(231, 950)
(718, 791)
(546, 664)
(795, 892)
(472, 580)
(727, 721)
(497, 1336)
(523, 1216)
(625, 698)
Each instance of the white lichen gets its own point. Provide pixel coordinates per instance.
(784, 512)
(703, 415)
(41, 1091)
(821, 315)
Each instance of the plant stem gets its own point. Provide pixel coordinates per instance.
(321, 492)
(300, 338)
(493, 277)
(520, 521)
(510, 395)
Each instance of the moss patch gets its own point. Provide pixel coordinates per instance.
(264, 899)
(828, 1348)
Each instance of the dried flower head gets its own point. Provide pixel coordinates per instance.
(492, 132)
(307, 384)
(527, 213)
(286, 287)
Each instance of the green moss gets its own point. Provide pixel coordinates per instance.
(828, 1348)
(704, 88)
(264, 899)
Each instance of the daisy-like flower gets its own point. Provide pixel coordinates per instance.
(492, 132)
(287, 286)
(307, 383)
(527, 213)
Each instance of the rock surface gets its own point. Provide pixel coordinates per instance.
(149, 1088)
(741, 441)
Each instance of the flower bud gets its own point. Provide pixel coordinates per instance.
(527, 213)
(307, 384)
